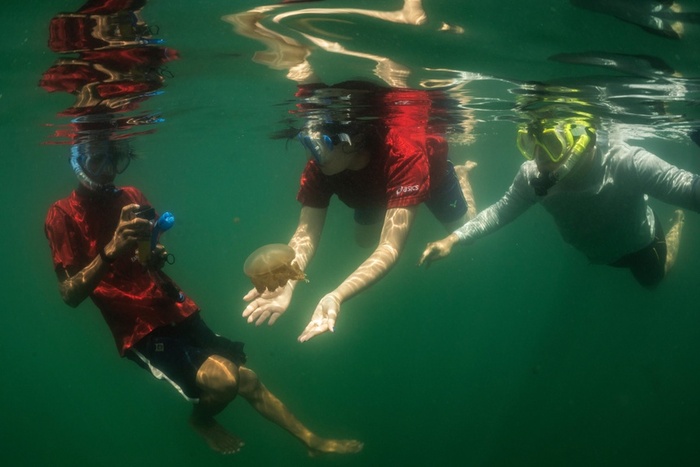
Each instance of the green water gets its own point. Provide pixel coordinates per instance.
(514, 352)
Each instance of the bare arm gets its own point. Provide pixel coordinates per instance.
(308, 234)
(397, 224)
(76, 286)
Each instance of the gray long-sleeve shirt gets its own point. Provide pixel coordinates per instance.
(603, 212)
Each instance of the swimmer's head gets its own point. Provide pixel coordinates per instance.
(556, 146)
(330, 145)
(96, 162)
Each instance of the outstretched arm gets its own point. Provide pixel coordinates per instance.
(76, 286)
(519, 197)
(269, 306)
(666, 182)
(397, 223)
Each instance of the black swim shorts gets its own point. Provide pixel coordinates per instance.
(447, 201)
(648, 265)
(175, 353)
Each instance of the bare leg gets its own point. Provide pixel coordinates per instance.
(673, 238)
(274, 410)
(462, 172)
(218, 379)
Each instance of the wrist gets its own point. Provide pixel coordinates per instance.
(107, 259)
(454, 239)
(336, 296)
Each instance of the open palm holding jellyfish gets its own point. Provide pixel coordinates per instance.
(272, 266)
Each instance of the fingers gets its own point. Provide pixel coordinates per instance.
(273, 318)
(323, 320)
(331, 320)
(253, 311)
(260, 311)
(262, 317)
(427, 256)
(252, 294)
(313, 329)
(128, 211)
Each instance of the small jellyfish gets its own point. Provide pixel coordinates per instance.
(271, 266)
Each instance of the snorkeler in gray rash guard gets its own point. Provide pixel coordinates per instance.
(596, 192)
(663, 18)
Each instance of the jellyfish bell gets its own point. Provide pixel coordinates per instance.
(272, 266)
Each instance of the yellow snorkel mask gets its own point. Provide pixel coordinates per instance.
(554, 139)
(563, 140)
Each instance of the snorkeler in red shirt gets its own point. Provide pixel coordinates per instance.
(95, 237)
(383, 167)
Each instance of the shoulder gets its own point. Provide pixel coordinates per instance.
(624, 156)
(63, 206)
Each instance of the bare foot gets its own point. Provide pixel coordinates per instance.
(673, 238)
(337, 446)
(677, 26)
(216, 436)
(464, 169)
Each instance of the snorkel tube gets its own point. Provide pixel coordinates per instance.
(546, 180)
(574, 156)
(76, 157)
(164, 222)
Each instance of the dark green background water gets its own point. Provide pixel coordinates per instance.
(513, 352)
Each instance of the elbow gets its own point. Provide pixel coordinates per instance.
(71, 302)
(389, 253)
(70, 299)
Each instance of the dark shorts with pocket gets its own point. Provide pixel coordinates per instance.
(175, 353)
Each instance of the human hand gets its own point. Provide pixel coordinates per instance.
(438, 250)
(127, 233)
(267, 305)
(323, 318)
(159, 256)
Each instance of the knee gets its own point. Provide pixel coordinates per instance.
(219, 377)
(249, 383)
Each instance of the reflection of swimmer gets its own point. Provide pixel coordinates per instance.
(93, 235)
(596, 192)
(646, 66)
(661, 17)
(660, 83)
(383, 168)
(285, 52)
(118, 61)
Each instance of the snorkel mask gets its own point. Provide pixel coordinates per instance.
(86, 167)
(321, 144)
(565, 141)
